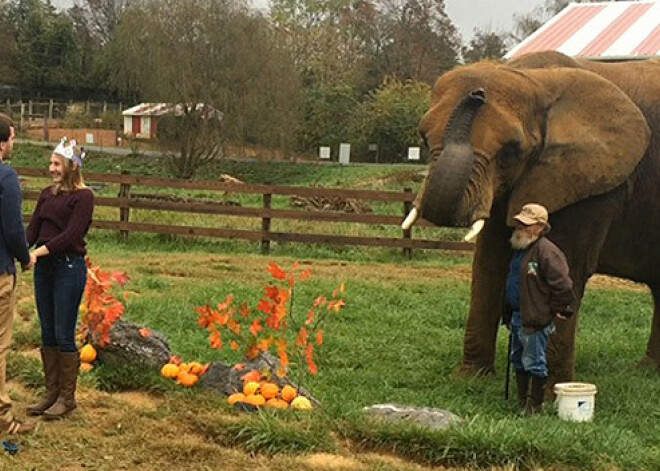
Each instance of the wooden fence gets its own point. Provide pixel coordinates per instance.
(126, 202)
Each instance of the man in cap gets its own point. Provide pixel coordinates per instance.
(538, 290)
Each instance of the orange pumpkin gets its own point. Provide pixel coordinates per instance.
(236, 397)
(87, 354)
(276, 403)
(289, 393)
(251, 387)
(301, 403)
(169, 370)
(269, 390)
(85, 367)
(195, 367)
(188, 380)
(255, 400)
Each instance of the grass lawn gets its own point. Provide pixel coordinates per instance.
(398, 340)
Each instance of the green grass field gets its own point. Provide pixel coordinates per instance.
(398, 340)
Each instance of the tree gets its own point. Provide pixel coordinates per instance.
(209, 52)
(485, 45)
(103, 16)
(418, 40)
(47, 53)
(325, 37)
(390, 117)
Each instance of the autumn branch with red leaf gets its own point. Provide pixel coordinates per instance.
(272, 325)
(100, 309)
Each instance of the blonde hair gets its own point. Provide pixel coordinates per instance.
(72, 179)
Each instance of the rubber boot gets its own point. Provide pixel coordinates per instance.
(522, 382)
(535, 403)
(66, 402)
(50, 359)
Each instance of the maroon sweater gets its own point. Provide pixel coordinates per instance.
(61, 221)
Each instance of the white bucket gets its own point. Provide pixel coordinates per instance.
(575, 401)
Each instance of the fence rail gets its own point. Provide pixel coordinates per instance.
(128, 200)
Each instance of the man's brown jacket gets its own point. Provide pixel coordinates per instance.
(546, 288)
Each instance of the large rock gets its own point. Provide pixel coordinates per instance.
(225, 379)
(438, 419)
(128, 347)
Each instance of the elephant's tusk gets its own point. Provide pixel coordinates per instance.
(474, 230)
(410, 219)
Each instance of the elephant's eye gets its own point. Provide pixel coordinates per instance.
(424, 142)
(508, 156)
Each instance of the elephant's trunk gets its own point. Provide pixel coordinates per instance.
(448, 178)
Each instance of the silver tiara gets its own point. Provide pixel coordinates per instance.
(69, 150)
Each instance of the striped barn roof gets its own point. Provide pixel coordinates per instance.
(603, 30)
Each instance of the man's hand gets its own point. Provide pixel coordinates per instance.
(561, 316)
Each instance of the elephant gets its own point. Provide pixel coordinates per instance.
(580, 137)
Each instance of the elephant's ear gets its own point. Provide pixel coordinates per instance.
(594, 138)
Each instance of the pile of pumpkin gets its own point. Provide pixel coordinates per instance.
(186, 374)
(269, 395)
(87, 357)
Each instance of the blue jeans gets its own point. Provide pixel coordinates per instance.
(529, 348)
(59, 283)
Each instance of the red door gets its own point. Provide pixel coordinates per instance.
(137, 125)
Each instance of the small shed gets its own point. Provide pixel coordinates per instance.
(141, 121)
(606, 31)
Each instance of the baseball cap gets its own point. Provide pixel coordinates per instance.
(533, 213)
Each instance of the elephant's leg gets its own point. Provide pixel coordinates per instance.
(489, 270)
(652, 357)
(561, 348)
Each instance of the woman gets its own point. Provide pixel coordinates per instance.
(58, 227)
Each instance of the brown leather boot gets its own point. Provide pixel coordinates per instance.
(535, 403)
(50, 359)
(66, 402)
(522, 383)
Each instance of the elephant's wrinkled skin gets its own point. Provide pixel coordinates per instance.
(580, 137)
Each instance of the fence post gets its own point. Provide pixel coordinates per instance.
(407, 234)
(51, 104)
(265, 226)
(22, 115)
(124, 212)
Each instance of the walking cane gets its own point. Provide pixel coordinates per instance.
(508, 368)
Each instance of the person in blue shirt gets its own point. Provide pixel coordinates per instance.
(13, 246)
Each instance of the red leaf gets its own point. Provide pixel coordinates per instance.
(271, 292)
(304, 276)
(301, 340)
(215, 339)
(319, 338)
(309, 357)
(244, 310)
(234, 345)
(176, 360)
(310, 317)
(253, 375)
(239, 366)
(145, 332)
(256, 327)
(226, 304)
(276, 271)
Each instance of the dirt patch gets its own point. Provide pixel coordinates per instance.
(319, 203)
(328, 461)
